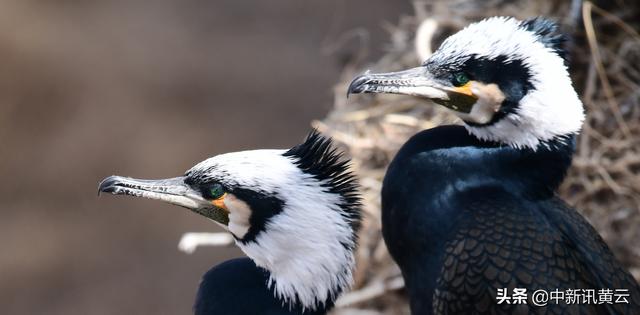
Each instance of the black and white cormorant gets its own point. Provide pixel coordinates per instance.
(468, 210)
(293, 212)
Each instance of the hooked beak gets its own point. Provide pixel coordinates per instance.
(172, 190)
(416, 82)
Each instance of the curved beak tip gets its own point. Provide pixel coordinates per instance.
(108, 185)
(357, 85)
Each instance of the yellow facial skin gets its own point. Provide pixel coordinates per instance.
(236, 214)
(219, 203)
(460, 99)
(465, 89)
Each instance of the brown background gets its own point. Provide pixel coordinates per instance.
(145, 89)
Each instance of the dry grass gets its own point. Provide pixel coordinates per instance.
(604, 182)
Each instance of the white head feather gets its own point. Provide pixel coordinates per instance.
(308, 247)
(549, 110)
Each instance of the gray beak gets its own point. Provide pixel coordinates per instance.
(172, 190)
(416, 82)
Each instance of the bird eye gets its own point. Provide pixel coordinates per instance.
(460, 79)
(215, 191)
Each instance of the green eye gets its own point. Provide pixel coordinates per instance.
(216, 191)
(460, 79)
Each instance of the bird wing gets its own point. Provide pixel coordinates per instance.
(504, 242)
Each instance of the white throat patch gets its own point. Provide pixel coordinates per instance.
(303, 249)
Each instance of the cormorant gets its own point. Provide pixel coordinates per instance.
(469, 211)
(294, 213)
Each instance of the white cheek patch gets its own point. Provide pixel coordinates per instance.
(239, 214)
(490, 99)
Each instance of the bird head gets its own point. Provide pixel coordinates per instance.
(506, 79)
(294, 212)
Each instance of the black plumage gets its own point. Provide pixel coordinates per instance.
(548, 34)
(237, 287)
(465, 218)
(461, 221)
(317, 157)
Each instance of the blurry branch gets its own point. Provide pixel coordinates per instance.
(597, 59)
(574, 13)
(424, 37)
(626, 27)
(189, 242)
(370, 291)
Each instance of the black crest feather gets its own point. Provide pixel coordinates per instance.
(548, 32)
(317, 156)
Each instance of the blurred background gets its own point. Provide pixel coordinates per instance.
(147, 89)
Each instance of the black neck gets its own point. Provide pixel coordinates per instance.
(238, 286)
(422, 183)
(533, 173)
